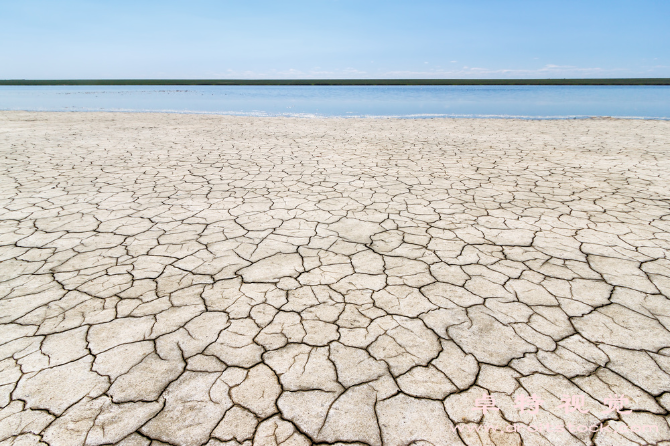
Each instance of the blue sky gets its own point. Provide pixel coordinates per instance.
(334, 39)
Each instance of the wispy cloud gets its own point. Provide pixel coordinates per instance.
(465, 72)
(483, 72)
(291, 73)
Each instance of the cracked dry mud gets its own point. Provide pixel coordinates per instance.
(190, 280)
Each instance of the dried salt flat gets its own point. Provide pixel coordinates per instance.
(202, 279)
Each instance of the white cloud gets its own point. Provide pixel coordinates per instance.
(466, 72)
(549, 70)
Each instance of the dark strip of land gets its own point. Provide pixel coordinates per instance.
(621, 81)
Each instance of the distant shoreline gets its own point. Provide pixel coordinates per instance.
(333, 82)
(7, 112)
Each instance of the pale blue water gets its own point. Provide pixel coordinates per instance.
(351, 101)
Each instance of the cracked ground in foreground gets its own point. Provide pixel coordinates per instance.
(191, 280)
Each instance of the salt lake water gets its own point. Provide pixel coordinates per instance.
(534, 102)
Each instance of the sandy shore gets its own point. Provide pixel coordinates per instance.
(200, 279)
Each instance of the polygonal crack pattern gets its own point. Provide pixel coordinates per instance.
(210, 280)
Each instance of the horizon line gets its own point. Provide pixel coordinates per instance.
(337, 81)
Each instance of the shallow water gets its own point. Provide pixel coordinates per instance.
(536, 102)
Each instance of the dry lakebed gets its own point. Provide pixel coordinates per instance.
(176, 279)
